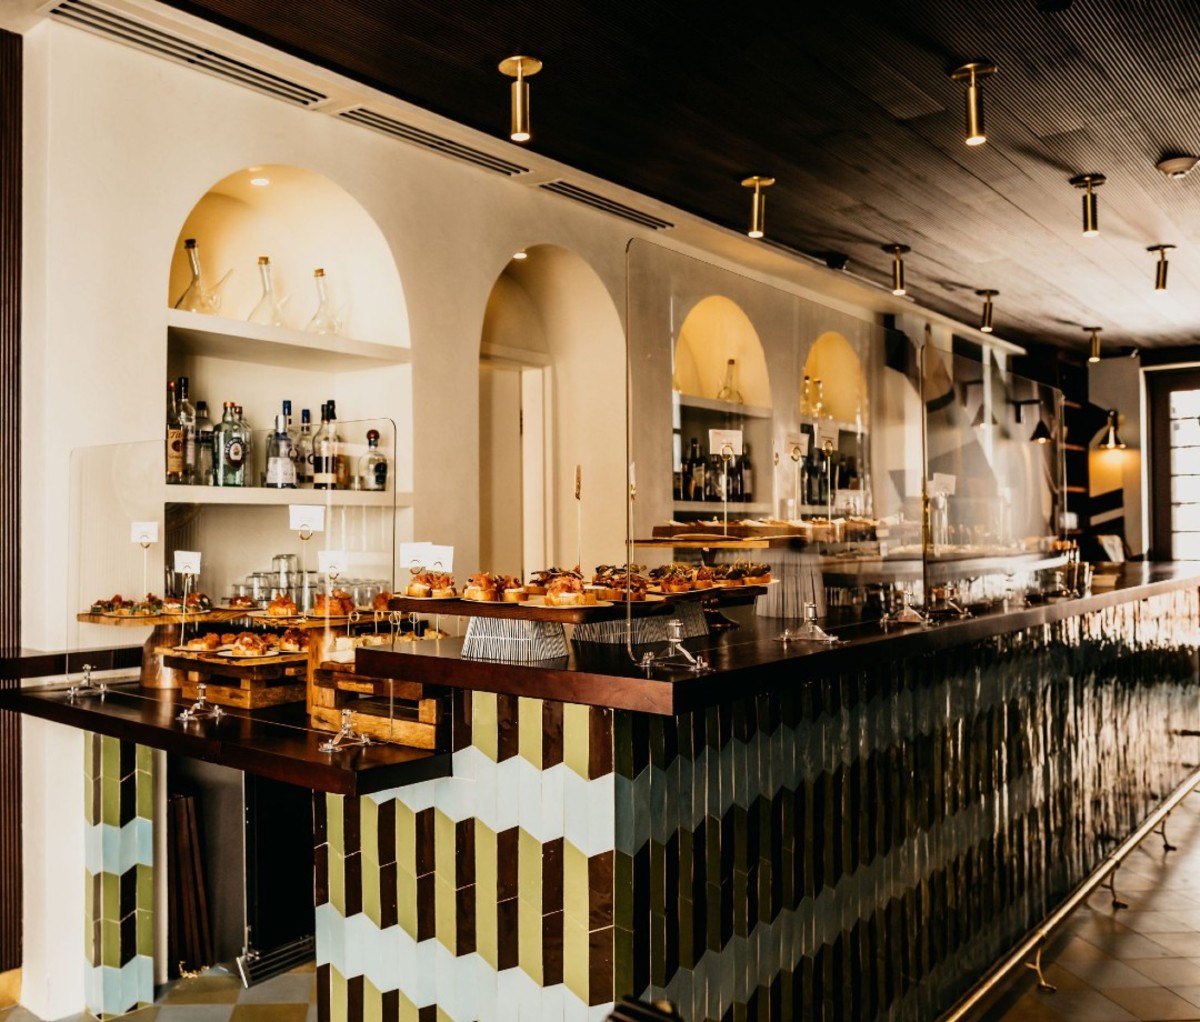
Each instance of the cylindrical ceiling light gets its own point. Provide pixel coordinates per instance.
(985, 319)
(971, 73)
(1111, 441)
(758, 203)
(1160, 271)
(1091, 216)
(1094, 353)
(519, 69)
(897, 266)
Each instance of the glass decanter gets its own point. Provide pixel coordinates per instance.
(326, 320)
(269, 310)
(198, 297)
(729, 389)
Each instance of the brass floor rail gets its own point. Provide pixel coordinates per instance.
(1036, 938)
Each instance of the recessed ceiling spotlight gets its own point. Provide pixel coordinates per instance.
(520, 254)
(520, 68)
(836, 260)
(971, 73)
(1177, 166)
(758, 203)
(1160, 271)
(260, 182)
(1091, 217)
(897, 251)
(985, 319)
(1094, 351)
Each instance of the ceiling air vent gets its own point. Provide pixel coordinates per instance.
(428, 140)
(577, 194)
(144, 37)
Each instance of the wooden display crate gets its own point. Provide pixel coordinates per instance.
(392, 711)
(249, 684)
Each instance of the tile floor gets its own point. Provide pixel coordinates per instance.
(1140, 964)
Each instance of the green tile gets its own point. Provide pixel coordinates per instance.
(110, 937)
(337, 881)
(110, 897)
(406, 838)
(529, 730)
(446, 926)
(486, 885)
(484, 728)
(110, 794)
(144, 758)
(110, 757)
(444, 837)
(406, 901)
(368, 815)
(145, 933)
(576, 899)
(576, 735)
(89, 801)
(89, 897)
(409, 1012)
(145, 796)
(337, 989)
(372, 999)
(333, 825)
(623, 744)
(576, 958)
(370, 892)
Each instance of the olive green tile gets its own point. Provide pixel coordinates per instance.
(576, 966)
(623, 959)
(110, 796)
(529, 731)
(485, 734)
(145, 796)
(110, 939)
(210, 988)
(337, 881)
(89, 801)
(406, 838)
(145, 932)
(409, 1012)
(90, 908)
(576, 732)
(368, 823)
(444, 838)
(576, 900)
(445, 916)
(144, 759)
(372, 1002)
(337, 997)
(269, 1013)
(110, 757)
(91, 753)
(529, 908)
(110, 897)
(486, 888)
(444, 1016)
(406, 901)
(623, 744)
(334, 831)
(370, 893)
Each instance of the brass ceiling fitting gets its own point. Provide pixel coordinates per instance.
(1094, 354)
(1041, 433)
(1111, 441)
(520, 69)
(971, 73)
(1160, 271)
(1091, 217)
(758, 203)
(897, 266)
(985, 318)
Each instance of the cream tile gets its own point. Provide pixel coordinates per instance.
(1180, 972)
(1076, 949)
(1156, 1004)
(1105, 974)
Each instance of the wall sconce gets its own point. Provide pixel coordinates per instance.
(1041, 435)
(1160, 271)
(520, 68)
(985, 318)
(758, 203)
(1111, 441)
(520, 254)
(971, 73)
(1094, 351)
(1091, 217)
(897, 266)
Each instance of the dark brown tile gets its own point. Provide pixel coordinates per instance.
(321, 874)
(426, 910)
(351, 824)
(279, 1012)
(388, 904)
(600, 966)
(600, 742)
(320, 825)
(354, 991)
(464, 852)
(508, 737)
(352, 872)
(128, 937)
(386, 827)
(507, 875)
(464, 917)
(427, 1013)
(460, 731)
(552, 733)
(506, 934)
(600, 891)
(552, 876)
(127, 789)
(552, 948)
(322, 985)
(424, 842)
(389, 1007)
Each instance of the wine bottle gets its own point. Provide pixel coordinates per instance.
(281, 469)
(174, 437)
(696, 468)
(747, 473)
(372, 466)
(806, 397)
(187, 426)
(341, 461)
(304, 450)
(324, 461)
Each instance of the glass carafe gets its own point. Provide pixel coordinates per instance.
(326, 320)
(729, 390)
(269, 310)
(198, 296)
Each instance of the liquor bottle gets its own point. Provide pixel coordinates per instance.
(714, 478)
(281, 469)
(342, 469)
(250, 477)
(696, 468)
(747, 473)
(325, 320)
(372, 466)
(268, 310)
(229, 450)
(806, 397)
(324, 461)
(174, 437)
(733, 484)
(187, 423)
(197, 297)
(729, 391)
(304, 450)
(204, 445)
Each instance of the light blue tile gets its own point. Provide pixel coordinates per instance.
(111, 996)
(93, 849)
(145, 842)
(129, 849)
(110, 840)
(325, 918)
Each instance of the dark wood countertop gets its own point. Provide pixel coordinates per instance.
(275, 742)
(744, 660)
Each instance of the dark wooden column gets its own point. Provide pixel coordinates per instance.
(10, 494)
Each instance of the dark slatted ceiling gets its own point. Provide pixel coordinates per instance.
(852, 110)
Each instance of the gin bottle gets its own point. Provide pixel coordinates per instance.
(229, 451)
(372, 466)
(304, 450)
(281, 469)
(204, 445)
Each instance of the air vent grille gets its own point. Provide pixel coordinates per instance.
(162, 44)
(428, 140)
(577, 194)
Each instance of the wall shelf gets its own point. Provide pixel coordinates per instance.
(711, 404)
(736, 509)
(193, 333)
(262, 496)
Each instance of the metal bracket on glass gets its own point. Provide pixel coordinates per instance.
(810, 631)
(909, 615)
(201, 708)
(87, 686)
(346, 738)
(697, 664)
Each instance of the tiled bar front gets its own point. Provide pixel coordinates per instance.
(857, 845)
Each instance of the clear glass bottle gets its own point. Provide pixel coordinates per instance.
(268, 311)
(187, 423)
(229, 450)
(806, 397)
(198, 297)
(729, 389)
(204, 445)
(174, 437)
(747, 469)
(372, 466)
(343, 469)
(304, 450)
(325, 320)
(325, 453)
(281, 468)
(248, 444)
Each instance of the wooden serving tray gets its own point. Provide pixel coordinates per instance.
(249, 683)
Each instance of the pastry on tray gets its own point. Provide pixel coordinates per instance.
(282, 606)
(483, 587)
(336, 604)
(380, 603)
(293, 641)
(209, 642)
(436, 584)
(539, 581)
(567, 591)
(197, 603)
(512, 590)
(242, 601)
(249, 644)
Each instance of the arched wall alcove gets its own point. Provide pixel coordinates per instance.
(715, 330)
(550, 318)
(833, 360)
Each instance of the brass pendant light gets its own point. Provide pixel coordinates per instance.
(985, 318)
(520, 68)
(971, 73)
(1160, 271)
(1041, 434)
(758, 203)
(1094, 352)
(1091, 215)
(897, 267)
(1111, 441)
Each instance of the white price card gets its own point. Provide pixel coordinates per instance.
(143, 532)
(306, 516)
(334, 563)
(827, 433)
(796, 445)
(943, 482)
(441, 558)
(725, 442)
(187, 562)
(415, 556)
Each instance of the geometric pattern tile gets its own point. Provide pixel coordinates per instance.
(118, 876)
